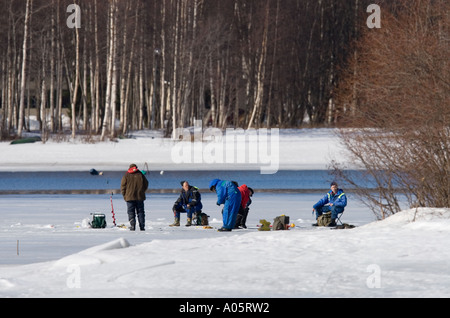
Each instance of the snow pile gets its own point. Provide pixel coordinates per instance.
(93, 255)
(420, 218)
(397, 257)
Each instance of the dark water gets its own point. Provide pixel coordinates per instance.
(25, 182)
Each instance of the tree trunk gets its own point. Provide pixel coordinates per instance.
(174, 84)
(110, 58)
(23, 72)
(260, 76)
(76, 81)
(114, 74)
(52, 70)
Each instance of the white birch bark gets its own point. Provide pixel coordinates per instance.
(23, 72)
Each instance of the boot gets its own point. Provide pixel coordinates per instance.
(132, 224)
(176, 222)
(244, 218)
(189, 222)
(238, 221)
(332, 224)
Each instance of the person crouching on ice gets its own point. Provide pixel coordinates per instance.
(189, 202)
(241, 218)
(334, 201)
(228, 194)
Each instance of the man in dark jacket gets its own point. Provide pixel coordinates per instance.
(133, 187)
(334, 201)
(189, 201)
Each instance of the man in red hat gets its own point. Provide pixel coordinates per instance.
(133, 187)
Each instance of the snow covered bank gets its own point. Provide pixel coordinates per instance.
(296, 149)
(404, 256)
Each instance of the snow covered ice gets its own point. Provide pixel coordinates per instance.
(46, 249)
(397, 257)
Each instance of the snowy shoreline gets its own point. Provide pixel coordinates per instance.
(294, 149)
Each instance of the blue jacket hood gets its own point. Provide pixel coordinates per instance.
(213, 183)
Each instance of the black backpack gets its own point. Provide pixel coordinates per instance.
(201, 219)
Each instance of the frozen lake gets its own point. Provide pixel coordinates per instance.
(49, 227)
(43, 211)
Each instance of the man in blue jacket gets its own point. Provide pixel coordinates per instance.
(334, 201)
(228, 194)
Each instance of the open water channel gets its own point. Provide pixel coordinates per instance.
(160, 182)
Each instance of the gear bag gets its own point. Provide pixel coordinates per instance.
(324, 219)
(201, 219)
(280, 223)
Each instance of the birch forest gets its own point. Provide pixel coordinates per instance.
(107, 67)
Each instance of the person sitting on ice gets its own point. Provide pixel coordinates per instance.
(188, 202)
(241, 218)
(228, 194)
(334, 201)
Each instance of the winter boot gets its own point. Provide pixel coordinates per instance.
(332, 224)
(132, 224)
(244, 218)
(189, 222)
(238, 221)
(176, 222)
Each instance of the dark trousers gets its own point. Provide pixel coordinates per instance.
(335, 210)
(133, 208)
(241, 218)
(180, 209)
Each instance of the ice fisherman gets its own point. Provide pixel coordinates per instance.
(228, 194)
(188, 202)
(246, 194)
(133, 187)
(335, 201)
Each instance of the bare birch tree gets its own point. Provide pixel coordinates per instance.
(24, 66)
